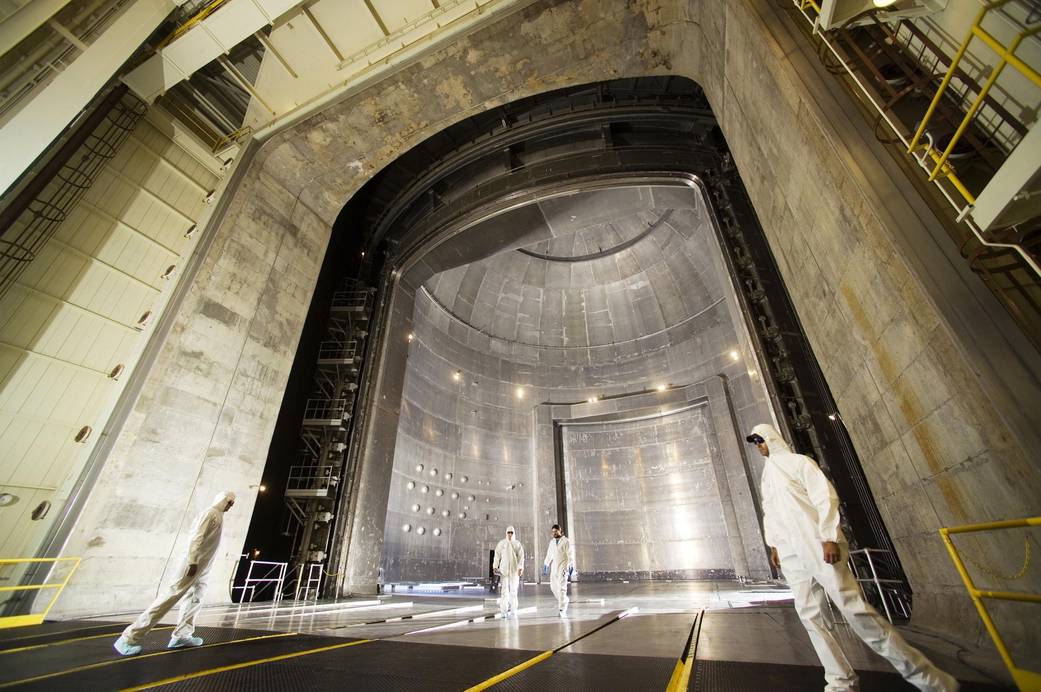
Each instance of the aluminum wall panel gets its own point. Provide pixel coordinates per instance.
(643, 499)
(620, 343)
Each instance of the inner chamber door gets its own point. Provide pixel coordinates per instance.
(643, 500)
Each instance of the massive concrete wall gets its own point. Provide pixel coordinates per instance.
(935, 450)
(204, 417)
(850, 245)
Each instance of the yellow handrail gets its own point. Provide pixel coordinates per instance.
(1007, 57)
(36, 618)
(1026, 680)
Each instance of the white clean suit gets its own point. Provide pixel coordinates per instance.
(559, 563)
(206, 533)
(800, 513)
(509, 560)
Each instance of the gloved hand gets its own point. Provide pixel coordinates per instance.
(545, 570)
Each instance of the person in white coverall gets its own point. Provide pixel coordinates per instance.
(509, 563)
(557, 565)
(801, 526)
(190, 585)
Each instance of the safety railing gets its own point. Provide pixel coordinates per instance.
(1007, 57)
(338, 350)
(311, 478)
(269, 574)
(992, 198)
(327, 410)
(357, 300)
(309, 586)
(872, 568)
(1024, 679)
(58, 586)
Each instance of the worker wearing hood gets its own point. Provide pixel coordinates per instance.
(801, 526)
(509, 563)
(558, 565)
(190, 585)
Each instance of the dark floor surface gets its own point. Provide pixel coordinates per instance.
(79, 656)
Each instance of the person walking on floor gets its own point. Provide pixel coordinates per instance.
(190, 585)
(801, 526)
(509, 564)
(558, 565)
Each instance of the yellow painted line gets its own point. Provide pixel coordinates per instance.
(677, 673)
(70, 641)
(124, 659)
(51, 634)
(246, 664)
(684, 679)
(680, 679)
(510, 673)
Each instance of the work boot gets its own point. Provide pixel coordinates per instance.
(182, 642)
(125, 648)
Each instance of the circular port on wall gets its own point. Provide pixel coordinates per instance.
(41, 510)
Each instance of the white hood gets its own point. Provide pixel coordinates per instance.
(773, 438)
(221, 499)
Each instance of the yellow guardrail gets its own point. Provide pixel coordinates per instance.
(1026, 680)
(35, 618)
(1007, 57)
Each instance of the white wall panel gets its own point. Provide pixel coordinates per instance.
(73, 315)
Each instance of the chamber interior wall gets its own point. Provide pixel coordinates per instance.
(470, 458)
(643, 498)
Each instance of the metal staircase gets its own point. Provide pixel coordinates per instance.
(315, 481)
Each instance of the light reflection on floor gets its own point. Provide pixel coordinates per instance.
(752, 622)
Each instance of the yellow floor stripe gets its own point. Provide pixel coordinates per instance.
(69, 631)
(680, 679)
(684, 679)
(510, 673)
(70, 641)
(124, 659)
(246, 664)
(677, 672)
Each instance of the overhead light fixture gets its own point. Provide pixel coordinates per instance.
(410, 337)
(883, 3)
(593, 399)
(662, 387)
(457, 375)
(520, 392)
(735, 356)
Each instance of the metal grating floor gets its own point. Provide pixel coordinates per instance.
(593, 673)
(741, 676)
(374, 666)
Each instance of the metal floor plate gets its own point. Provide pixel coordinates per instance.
(380, 665)
(593, 672)
(94, 665)
(743, 676)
